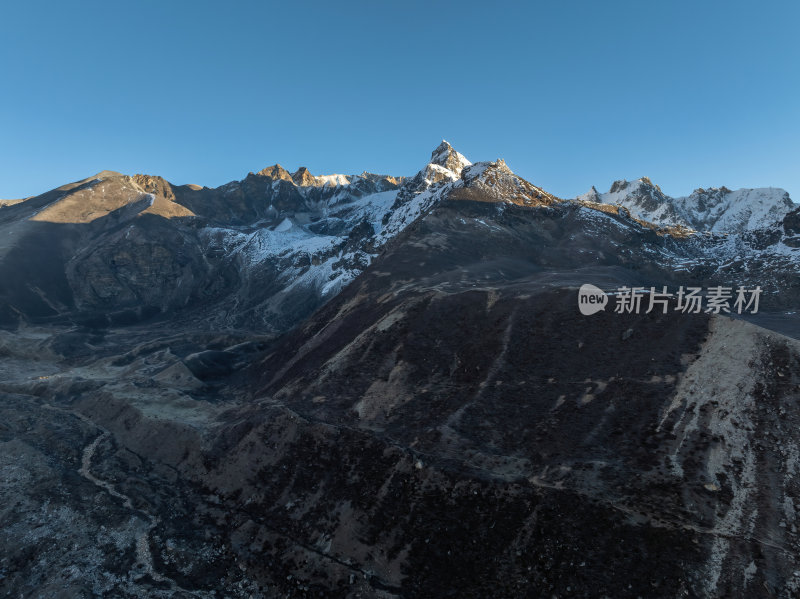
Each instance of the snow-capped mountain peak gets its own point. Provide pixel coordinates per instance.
(642, 189)
(718, 210)
(446, 156)
(445, 166)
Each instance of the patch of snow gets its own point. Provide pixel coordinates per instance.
(333, 180)
(284, 226)
(474, 171)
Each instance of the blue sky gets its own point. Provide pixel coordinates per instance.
(571, 94)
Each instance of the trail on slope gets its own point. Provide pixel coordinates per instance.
(143, 554)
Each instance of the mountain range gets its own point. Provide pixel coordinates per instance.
(381, 386)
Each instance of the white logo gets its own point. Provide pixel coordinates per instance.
(591, 299)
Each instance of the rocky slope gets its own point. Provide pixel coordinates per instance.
(381, 387)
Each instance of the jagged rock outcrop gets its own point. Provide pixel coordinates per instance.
(303, 178)
(276, 172)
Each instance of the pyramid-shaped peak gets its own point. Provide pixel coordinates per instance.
(275, 171)
(303, 177)
(446, 156)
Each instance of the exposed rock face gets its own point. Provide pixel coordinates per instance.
(151, 264)
(791, 222)
(275, 172)
(303, 178)
(494, 182)
(446, 156)
(365, 386)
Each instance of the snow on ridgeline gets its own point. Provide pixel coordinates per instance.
(321, 253)
(301, 254)
(724, 210)
(421, 192)
(716, 209)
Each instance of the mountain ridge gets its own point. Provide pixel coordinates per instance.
(281, 238)
(714, 209)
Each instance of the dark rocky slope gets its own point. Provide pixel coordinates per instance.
(451, 436)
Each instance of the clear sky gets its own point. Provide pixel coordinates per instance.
(571, 94)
